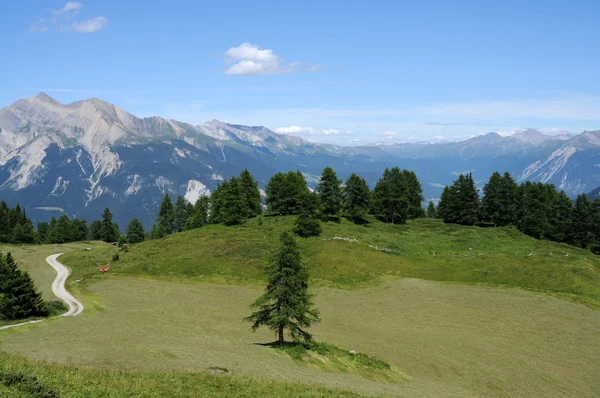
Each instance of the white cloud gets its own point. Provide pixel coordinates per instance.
(294, 130)
(69, 7)
(251, 60)
(64, 20)
(91, 25)
(386, 134)
(298, 130)
(336, 132)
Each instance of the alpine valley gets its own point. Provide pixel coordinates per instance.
(82, 157)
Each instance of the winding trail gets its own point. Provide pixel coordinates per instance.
(58, 288)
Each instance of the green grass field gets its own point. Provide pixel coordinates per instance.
(171, 309)
(425, 249)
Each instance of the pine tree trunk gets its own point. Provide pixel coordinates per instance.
(281, 335)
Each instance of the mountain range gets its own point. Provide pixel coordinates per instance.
(81, 157)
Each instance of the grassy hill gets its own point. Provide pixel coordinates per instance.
(170, 310)
(350, 256)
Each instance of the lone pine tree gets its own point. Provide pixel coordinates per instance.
(286, 303)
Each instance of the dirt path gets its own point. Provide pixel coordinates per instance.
(58, 288)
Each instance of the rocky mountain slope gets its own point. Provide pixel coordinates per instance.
(79, 158)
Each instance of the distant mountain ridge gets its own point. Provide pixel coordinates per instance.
(87, 155)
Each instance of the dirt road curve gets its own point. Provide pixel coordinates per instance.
(58, 288)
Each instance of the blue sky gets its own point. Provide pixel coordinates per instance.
(348, 72)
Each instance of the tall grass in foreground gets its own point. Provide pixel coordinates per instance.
(21, 377)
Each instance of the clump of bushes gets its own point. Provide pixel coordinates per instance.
(27, 384)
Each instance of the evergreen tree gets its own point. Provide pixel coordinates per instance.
(468, 199)
(5, 230)
(235, 203)
(356, 199)
(284, 193)
(43, 230)
(308, 224)
(62, 232)
(498, 205)
(80, 230)
(199, 214)
(431, 211)
(229, 203)
(110, 231)
(414, 194)
(251, 194)
(158, 231)
(24, 233)
(18, 296)
(561, 221)
(135, 231)
(286, 303)
(534, 204)
(166, 215)
(96, 230)
(447, 206)
(390, 196)
(459, 203)
(180, 214)
(583, 222)
(330, 195)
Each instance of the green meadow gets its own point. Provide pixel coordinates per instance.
(450, 311)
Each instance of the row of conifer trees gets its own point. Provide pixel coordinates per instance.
(537, 209)
(397, 197)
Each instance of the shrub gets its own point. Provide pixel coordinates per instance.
(307, 225)
(55, 307)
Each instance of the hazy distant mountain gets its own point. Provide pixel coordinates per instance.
(594, 194)
(82, 157)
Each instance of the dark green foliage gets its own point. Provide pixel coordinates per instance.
(499, 204)
(330, 195)
(166, 215)
(198, 214)
(308, 223)
(284, 193)
(27, 384)
(584, 222)
(356, 199)
(286, 303)
(96, 230)
(390, 197)
(431, 210)
(80, 230)
(24, 233)
(43, 232)
(251, 194)
(180, 214)
(229, 203)
(414, 195)
(561, 220)
(535, 208)
(18, 296)
(62, 231)
(16, 227)
(158, 231)
(109, 231)
(56, 307)
(459, 203)
(135, 231)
